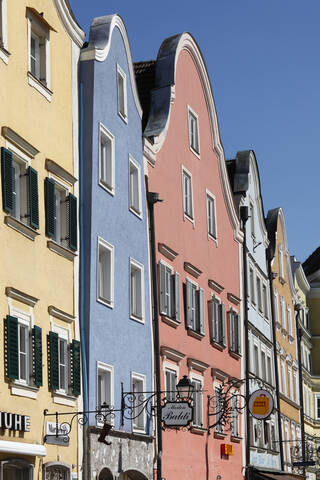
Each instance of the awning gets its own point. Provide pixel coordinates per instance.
(277, 476)
(23, 448)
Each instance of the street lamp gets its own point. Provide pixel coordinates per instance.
(185, 388)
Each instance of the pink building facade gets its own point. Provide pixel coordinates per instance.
(198, 254)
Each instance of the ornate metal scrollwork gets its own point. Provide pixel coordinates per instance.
(226, 401)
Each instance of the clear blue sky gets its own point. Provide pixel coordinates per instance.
(263, 58)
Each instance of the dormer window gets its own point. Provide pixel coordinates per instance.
(193, 131)
(122, 94)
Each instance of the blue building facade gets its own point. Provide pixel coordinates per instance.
(115, 296)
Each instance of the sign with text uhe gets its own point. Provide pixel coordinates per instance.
(177, 414)
(261, 404)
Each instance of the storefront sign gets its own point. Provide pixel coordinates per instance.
(56, 437)
(226, 449)
(13, 421)
(177, 414)
(261, 404)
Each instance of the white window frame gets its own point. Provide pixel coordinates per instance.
(295, 385)
(212, 198)
(234, 403)
(283, 376)
(64, 334)
(107, 246)
(26, 320)
(169, 366)
(142, 378)
(22, 464)
(283, 314)
(4, 55)
(276, 306)
(263, 359)
(171, 396)
(259, 293)
(192, 114)
(198, 378)
(34, 26)
(265, 300)
(219, 428)
(257, 364)
(105, 368)
(289, 321)
(124, 114)
(105, 133)
(281, 260)
(252, 219)
(185, 172)
(252, 285)
(137, 266)
(135, 209)
(61, 221)
(290, 382)
(269, 367)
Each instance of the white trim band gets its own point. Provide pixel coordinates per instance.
(23, 448)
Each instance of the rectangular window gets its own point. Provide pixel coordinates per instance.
(256, 359)
(235, 332)
(24, 345)
(187, 194)
(276, 306)
(136, 290)
(105, 272)
(197, 402)
(218, 321)
(134, 187)
(122, 93)
(253, 300)
(259, 294)
(169, 292)
(263, 366)
(265, 301)
(39, 51)
(289, 319)
(234, 415)
(194, 307)
(193, 131)
(171, 381)
(106, 162)
(104, 385)
(290, 383)
(284, 380)
(283, 313)
(296, 387)
(252, 223)
(269, 371)
(281, 270)
(211, 216)
(138, 387)
(218, 409)
(61, 220)
(63, 365)
(317, 408)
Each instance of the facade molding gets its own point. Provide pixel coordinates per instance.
(68, 21)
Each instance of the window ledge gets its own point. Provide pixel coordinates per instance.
(20, 227)
(104, 302)
(235, 354)
(282, 280)
(197, 154)
(235, 439)
(219, 435)
(23, 390)
(136, 213)
(64, 399)
(107, 188)
(35, 83)
(278, 325)
(198, 430)
(137, 319)
(4, 54)
(217, 345)
(64, 252)
(190, 219)
(290, 338)
(170, 321)
(195, 334)
(124, 118)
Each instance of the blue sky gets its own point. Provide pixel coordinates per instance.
(263, 61)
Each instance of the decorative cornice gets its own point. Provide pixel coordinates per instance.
(53, 167)
(167, 251)
(69, 23)
(171, 354)
(21, 296)
(215, 286)
(233, 298)
(194, 271)
(20, 142)
(56, 312)
(219, 374)
(197, 364)
(40, 18)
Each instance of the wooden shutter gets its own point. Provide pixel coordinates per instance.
(162, 275)
(50, 207)
(188, 304)
(214, 337)
(201, 310)
(54, 360)
(232, 331)
(12, 348)
(73, 224)
(37, 355)
(33, 197)
(7, 180)
(176, 282)
(238, 320)
(222, 320)
(75, 367)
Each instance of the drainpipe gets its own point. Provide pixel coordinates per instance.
(244, 215)
(299, 336)
(275, 360)
(82, 279)
(153, 198)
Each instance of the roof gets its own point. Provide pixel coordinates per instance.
(271, 224)
(312, 264)
(145, 78)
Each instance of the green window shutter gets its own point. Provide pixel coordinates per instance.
(75, 367)
(37, 355)
(33, 197)
(7, 180)
(50, 207)
(54, 361)
(12, 348)
(72, 220)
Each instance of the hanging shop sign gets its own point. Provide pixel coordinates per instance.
(13, 421)
(261, 404)
(56, 436)
(177, 414)
(226, 449)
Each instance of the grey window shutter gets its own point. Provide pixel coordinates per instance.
(76, 367)
(53, 361)
(213, 319)
(188, 304)
(7, 180)
(50, 207)
(162, 274)
(201, 310)
(33, 197)
(73, 222)
(232, 331)
(37, 355)
(222, 319)
(176, 310)
(238, 320)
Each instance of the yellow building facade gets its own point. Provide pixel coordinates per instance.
(284, 300)
(40, 367)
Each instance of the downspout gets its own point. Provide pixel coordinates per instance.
(275, 360)
(153, 198)
(244, 215)
(82, 279)
(299, 336)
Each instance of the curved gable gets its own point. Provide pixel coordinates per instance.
(100, 42)
(69, 22)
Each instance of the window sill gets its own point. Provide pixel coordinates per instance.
(4, 55)
(136, 212)
(64, 252)
(217, 345)
(23, 390)
(290, 338)
(64, 399)
(124, 118)
(282, 280)
(193, 333)
(137, 319)
(197, 154)
(190, 219)
(235, 354)
(139, 431)
(213, 239)
(105, 302)
(219, 435)
(170, 321)
(35, 83)
(198, 430)
(235, 439)
(20, 227)
(278, 325)
(105, 187)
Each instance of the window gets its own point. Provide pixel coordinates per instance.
(169, 292)
(218, 408)
(3, 30)
(253, 301)
(187, 194)
(194, 307)
(317, 403)
(106, 159)
(217, 309)
(171, 381)
(234, 415)
(252, 223)
(296, 387)
(211, 216)
(289, 319)
(256, 359)
(197, 402)
(63, 364)
(283, 314)
(134, 187)
(266, 434)
(281, 270)
(265, 301)
(193, 131)
(138, 386)
(136, 290)
(122, 93)
(290, 383)
(269, 370)
(20, 188)
(57, 472)
(39, 50)
(263, 366)
(276, 306)
(104, 386)
(61, 215)
(105, 272)
(235, 332)
(259, 294)
(284, 381)
(15, 469)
